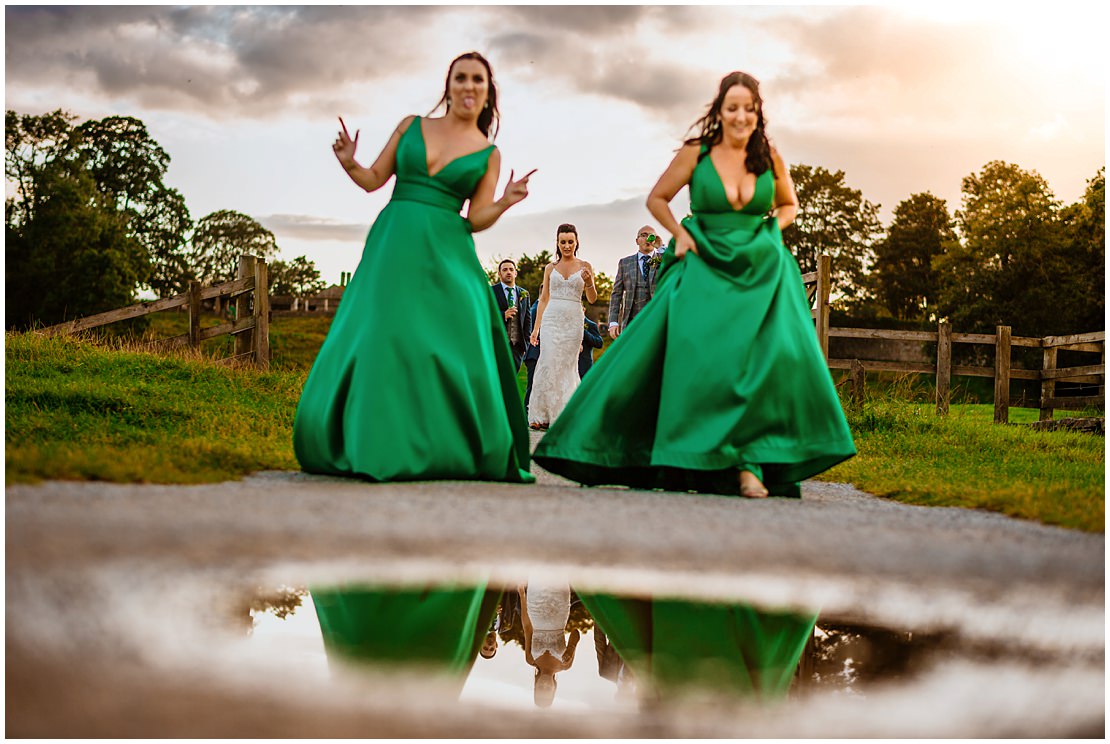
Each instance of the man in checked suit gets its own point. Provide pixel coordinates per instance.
(513, 303)
(635, 282)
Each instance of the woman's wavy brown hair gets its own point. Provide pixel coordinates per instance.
(759, 149)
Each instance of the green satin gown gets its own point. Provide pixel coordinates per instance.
(415, 380)
(721, 370)
(733, 649)
(441, 628)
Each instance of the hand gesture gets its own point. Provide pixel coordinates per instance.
(344, 147)
(614, 331)
(515, 191)
(684, 242)
(588, 277)
(510, 313)
(534, 339)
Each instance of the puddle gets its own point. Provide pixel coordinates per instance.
(553, 647)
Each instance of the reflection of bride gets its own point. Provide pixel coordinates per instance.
(560, 314)
(545, 609)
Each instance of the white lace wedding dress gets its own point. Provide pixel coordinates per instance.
(556, 376)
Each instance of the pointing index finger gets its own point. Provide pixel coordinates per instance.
(348, 134)
(529, 174)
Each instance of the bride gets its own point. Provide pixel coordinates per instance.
(560, 315)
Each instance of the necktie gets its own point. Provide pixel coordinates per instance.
(644, 266)
(510, 295)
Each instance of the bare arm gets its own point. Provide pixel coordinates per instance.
(786, 199)
(545, 295)
(591, 290)
(527, 623)
(484, 210)
(374, 177)
(676, 176)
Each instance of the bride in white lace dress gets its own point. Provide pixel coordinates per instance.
(558, 329)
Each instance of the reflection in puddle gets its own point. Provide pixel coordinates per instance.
(541, 643)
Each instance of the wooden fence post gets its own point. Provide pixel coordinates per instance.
(858, 377)
(824, 276)
(261, 315)
(244, 340)
(1048, 387)
(944, 366)
(1002, 375)
(194, 314)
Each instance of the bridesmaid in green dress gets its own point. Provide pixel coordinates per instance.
(720, 385)
(415, 380)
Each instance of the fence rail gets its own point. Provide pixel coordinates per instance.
(251, 327)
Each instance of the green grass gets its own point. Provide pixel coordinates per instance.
(909, 454)
(80, 412)
(75, 410)
(294, 339)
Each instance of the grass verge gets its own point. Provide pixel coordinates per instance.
(78, 411)
(909, 454)
(81, 412)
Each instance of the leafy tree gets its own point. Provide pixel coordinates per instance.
(530, 272)
(220, 238)
(902, 278)
(74, 257)
(129, 165)
(1082, 297)
(1004, 269)
(836, 220)
(299, 277)
(69, 252)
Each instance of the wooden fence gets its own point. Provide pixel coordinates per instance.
(251, 326)
(818, 285)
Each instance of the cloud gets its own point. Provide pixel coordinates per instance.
(226, 61)
(308, 227)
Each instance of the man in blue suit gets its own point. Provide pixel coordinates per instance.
(591, 339)
(531, 355)
(512, 301)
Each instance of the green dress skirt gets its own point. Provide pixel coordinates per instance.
(720, 371)
(438, 629)
(415, 380)
(732, 649)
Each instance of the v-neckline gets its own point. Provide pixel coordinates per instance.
(424, 147)
(724, 191)
(567, 278)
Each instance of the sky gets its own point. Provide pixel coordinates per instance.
(903, 98)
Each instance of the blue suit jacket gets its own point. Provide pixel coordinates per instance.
(591, 339)
(532, 354)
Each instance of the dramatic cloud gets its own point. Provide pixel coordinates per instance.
(224, 61)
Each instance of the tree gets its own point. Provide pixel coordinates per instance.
(1081, 286)
(530, 272)
(1005, 267)
(220, 238)
(74, 257)
(299, 277)
(129, 165)
(69, 251)
(903, 279)
(836, 220)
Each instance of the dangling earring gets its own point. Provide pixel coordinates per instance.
(486, 104)
(448, 103)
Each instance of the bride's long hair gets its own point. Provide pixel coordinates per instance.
(566, 227)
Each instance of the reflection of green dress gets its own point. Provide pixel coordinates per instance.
(728, 648)
(442, 627)
(721, 369)
(415, 380)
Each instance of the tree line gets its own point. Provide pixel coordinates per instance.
(1011, 254)
(90, 222)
